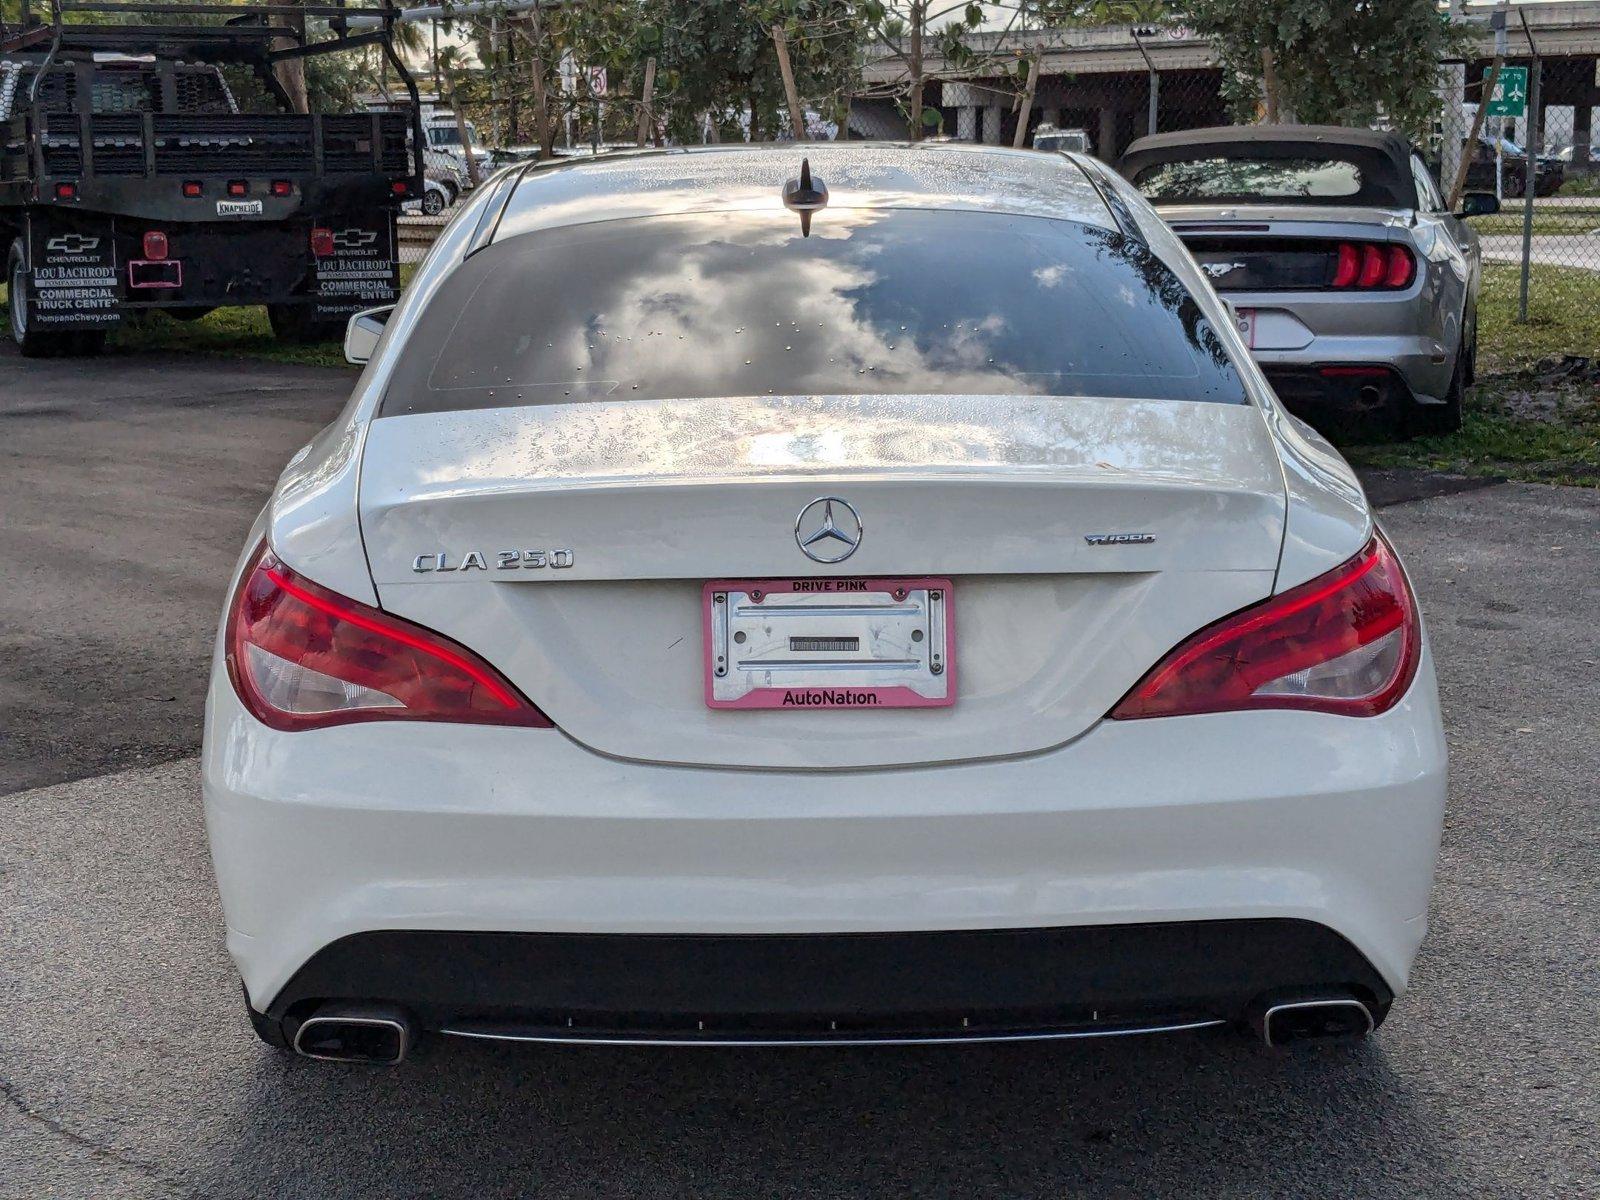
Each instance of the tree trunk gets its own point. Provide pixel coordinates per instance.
(791, 95)
(647, 118)
(1269, 84)
(541, 94)
(1020, 139)
(291, 72)
(919, 14)
(513, 100)
(461, 132)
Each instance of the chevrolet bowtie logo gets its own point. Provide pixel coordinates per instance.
(828, 530)
(72, 243)
(354, 239)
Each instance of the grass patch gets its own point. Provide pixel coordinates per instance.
(1557, 222)
(223, 333)
(1580, 185)
(1499, 437)
(1534, 415)
(1563, 317)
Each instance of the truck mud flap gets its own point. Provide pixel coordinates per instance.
(359, 270)
(72, 277)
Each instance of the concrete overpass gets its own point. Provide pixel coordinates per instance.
(1098, 79)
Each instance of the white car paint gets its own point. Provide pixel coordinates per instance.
(644, 811)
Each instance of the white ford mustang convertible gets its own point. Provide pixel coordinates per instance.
(862, 597)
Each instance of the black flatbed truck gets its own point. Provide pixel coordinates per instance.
(130, 180)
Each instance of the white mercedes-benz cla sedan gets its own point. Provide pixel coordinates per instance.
(873, 598)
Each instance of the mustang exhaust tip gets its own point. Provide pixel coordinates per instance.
(1282, 1023)
(380, 1035)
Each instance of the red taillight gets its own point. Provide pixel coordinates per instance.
(1373, 265)
(193, 188)
(1349, 266)
(238, 187)
(66, 191)
(400, 187)
(322, 243)
(282, 187)
(1346, 642)
(155, 245)
(1356, 372)
(1401, 266)
(303, 657)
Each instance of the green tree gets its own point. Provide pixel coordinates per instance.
(716, 59)
(1341, 64)
(934, 40)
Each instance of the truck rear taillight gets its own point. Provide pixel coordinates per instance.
(400, 187)
(1371, 265)
(155, 245)
(193, 188)
(238, 187)
(66, 191)
(282, 187)
(322, 243)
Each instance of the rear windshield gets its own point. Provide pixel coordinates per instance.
(1317, 180)
(874, 301)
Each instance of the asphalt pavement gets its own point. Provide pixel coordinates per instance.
(126, 1068)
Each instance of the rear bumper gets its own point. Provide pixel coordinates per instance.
(467, 830)
(1333, 394)
(835, 987)
(1415, 333)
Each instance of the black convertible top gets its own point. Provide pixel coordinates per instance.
(1384, 157)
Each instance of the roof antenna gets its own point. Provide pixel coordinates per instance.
(805, 196)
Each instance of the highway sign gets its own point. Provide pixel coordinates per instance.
(1510, 98)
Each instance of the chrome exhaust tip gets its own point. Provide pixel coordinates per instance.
(1289, 1021)
(379, 1035)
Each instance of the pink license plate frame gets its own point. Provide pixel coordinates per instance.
(845, 695)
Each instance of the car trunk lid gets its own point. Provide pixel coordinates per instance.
(632, 506)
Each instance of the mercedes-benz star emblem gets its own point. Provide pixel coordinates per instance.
(828, 530)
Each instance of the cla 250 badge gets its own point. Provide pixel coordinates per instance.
(504, 560)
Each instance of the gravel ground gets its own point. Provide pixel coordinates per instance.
(127, 1070)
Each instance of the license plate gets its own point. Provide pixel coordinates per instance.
(829, 643)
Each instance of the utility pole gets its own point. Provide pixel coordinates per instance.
(1155, 76)
(1489, 81)
(1530, 150)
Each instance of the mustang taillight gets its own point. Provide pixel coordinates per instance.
(303, 657)
(1346, 642)
(1372, 265)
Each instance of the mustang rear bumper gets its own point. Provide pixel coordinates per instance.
(1156, 869)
